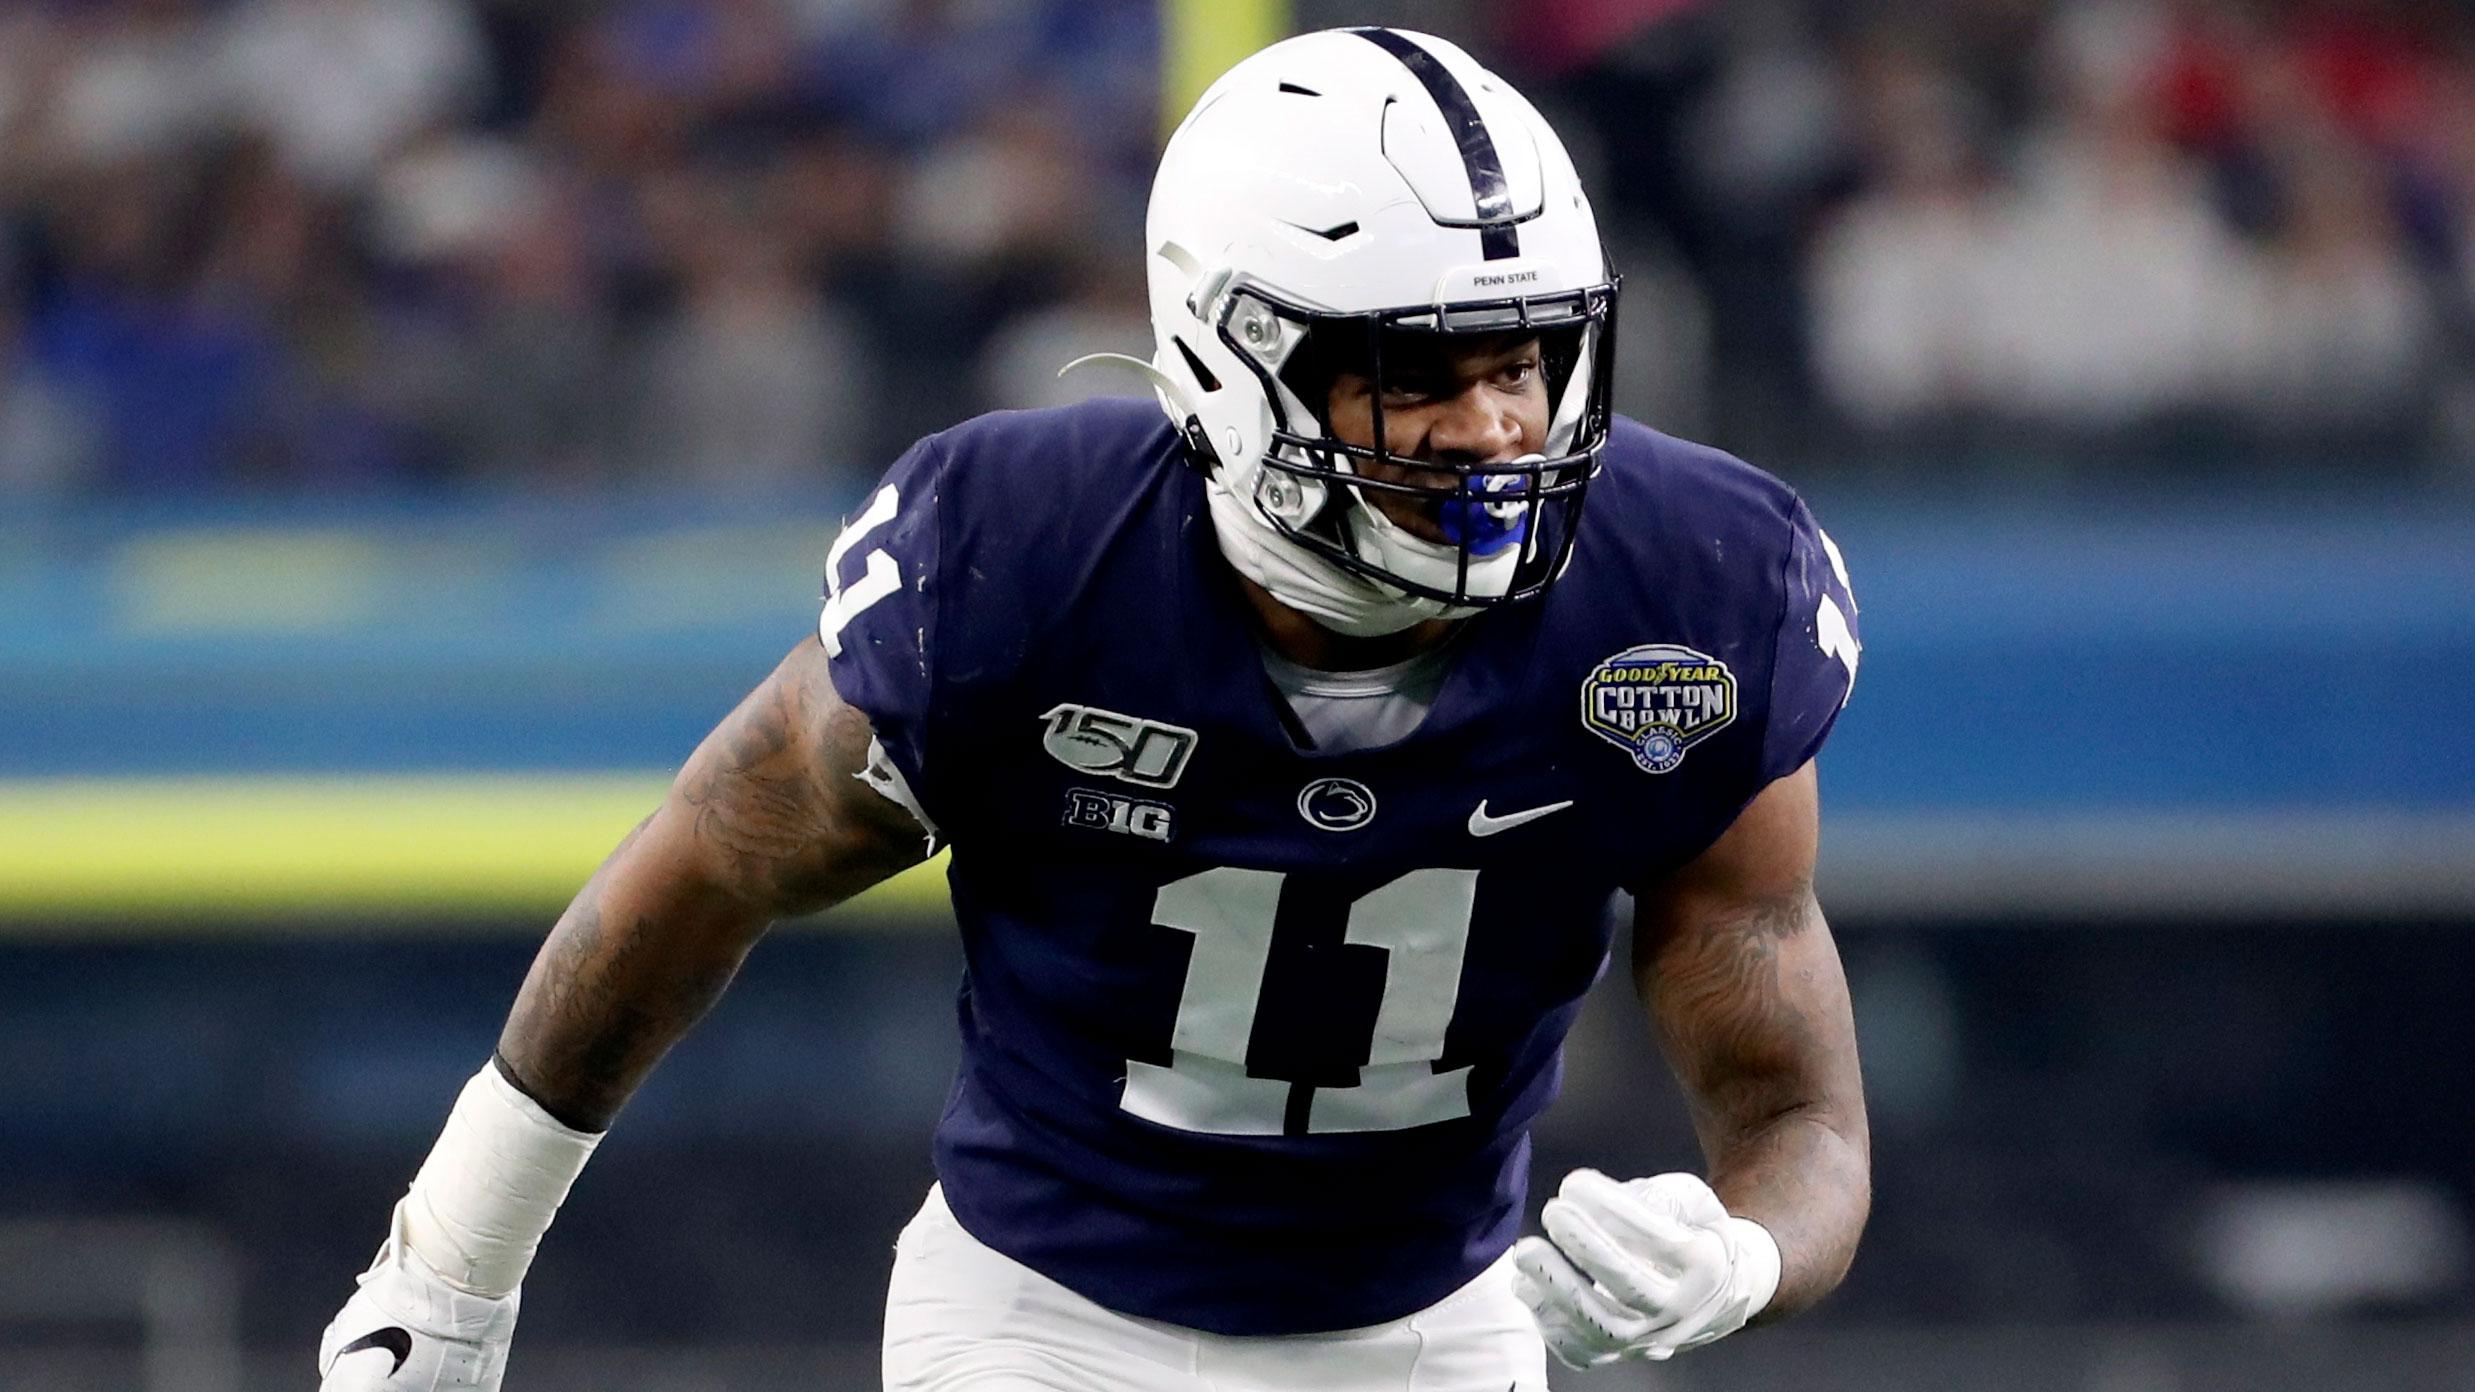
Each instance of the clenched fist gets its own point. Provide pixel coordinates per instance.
(1641, 1269)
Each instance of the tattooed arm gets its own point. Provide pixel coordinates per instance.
(768, 819)
(1744, 987)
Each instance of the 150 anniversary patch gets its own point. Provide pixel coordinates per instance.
(1656, 701)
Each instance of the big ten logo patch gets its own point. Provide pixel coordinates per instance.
(1097, 811)
(1657, 701)
(1147, 753)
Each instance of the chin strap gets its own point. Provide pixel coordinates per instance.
(1380, 541)
(1342, 602)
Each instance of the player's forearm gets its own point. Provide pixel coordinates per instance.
(638, 958)
(1804, 1175)
(1752, 1009)
(769, 818)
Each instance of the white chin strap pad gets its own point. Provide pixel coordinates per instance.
(1380, 541)
(1345, 603)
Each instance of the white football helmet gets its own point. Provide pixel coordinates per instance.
(1347, 189)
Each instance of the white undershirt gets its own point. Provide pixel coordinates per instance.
(1343, 712)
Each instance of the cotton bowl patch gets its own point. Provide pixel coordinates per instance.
(1656, 701)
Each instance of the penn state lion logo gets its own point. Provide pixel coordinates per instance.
(1337, 804)
(1656, 701)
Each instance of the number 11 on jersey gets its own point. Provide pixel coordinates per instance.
(1421, 920)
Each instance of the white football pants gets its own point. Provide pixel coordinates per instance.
(963, 1317)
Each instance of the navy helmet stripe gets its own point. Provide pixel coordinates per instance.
(1498, 237)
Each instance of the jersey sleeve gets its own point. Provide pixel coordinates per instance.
(1813, 671)
(883, 587)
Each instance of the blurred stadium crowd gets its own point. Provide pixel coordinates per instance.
(325, 244)
(341, 244)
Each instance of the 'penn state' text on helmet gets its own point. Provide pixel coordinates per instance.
(1334, 194)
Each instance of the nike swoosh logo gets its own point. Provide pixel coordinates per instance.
(1483, 825)
(392, 1339)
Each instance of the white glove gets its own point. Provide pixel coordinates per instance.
(1641, 1269)
(408, 1330)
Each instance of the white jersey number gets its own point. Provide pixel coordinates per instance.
(1422, 920)
(882, 577)
(1830, 627)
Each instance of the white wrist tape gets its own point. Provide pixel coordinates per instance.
(500, 1170)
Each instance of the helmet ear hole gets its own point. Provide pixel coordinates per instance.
(1310, 372)
(1203, 375)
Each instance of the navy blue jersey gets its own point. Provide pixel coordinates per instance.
(1252, 1033)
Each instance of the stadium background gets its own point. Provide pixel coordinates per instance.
(419, 419)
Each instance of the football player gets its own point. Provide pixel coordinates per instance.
(1292, 732)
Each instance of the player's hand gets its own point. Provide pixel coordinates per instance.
(1641, 1269)
(408, 1330)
